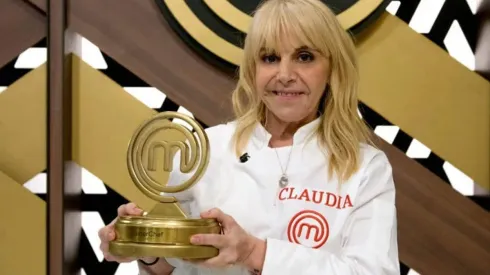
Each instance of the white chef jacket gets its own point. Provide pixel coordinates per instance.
(312, 226)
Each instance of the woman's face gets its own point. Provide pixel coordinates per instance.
(291, 81)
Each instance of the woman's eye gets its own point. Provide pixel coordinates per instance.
(305, 57)
(270, 58)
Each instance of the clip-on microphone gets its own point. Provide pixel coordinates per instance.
(244, 158)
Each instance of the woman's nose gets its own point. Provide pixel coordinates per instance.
(286, 73)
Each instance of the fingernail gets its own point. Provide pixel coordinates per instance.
(136, 211)
(207, 212)
(194, 239)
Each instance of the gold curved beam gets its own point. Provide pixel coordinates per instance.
(230, 14)
(358, 12)
(238, 19)
(241, 21)
(202, 34)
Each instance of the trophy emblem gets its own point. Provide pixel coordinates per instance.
(165, 231)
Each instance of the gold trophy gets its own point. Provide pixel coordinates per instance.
(166, 230)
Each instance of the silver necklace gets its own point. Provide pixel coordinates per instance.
(284, 180)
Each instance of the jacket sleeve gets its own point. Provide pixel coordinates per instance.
(369, 241)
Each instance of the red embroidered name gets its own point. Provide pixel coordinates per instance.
(317, 197)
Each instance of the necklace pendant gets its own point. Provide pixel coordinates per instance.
(283, 181)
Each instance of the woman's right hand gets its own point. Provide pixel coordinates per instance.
(107, 233)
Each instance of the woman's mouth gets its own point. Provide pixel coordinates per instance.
(287, 94)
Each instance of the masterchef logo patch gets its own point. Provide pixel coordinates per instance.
(308, 228)
(215, 29)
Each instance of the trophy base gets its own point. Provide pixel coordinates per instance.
(162, 251)
(162, 237)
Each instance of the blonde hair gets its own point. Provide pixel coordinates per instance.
(341, 129)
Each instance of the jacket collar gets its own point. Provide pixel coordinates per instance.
(260, 136)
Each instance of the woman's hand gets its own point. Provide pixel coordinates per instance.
(107, 233)
(235, 245)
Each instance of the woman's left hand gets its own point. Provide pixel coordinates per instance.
(235, 245)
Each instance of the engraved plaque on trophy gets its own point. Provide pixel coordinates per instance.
(166, 230)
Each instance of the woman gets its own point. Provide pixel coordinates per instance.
(308, 195)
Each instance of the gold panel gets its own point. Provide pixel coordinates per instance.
(415, 85)
(22, 230)
(23, 126)
(202, 34)
(104, 119)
